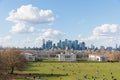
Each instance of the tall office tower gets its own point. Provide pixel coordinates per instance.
(116, 46)
(80, 48)
(63, 45)
(76, 44)
(43, 46)
(83, 46)
(54, 46)
(66, 42)
(48, 44)
(102, 48)
(59, 45)
(69, 44)
(92, 47)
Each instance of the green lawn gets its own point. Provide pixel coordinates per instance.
(72, 71)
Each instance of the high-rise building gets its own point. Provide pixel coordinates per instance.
(43, 46)
(59, 44)
(83, 46)
(102, 48)
(69, 44)
(116, 46)
(48, 44)
(92, 47)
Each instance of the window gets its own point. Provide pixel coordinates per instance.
(67, 56)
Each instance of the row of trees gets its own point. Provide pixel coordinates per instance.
(10, 59)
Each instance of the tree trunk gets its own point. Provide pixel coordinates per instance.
(12, 70)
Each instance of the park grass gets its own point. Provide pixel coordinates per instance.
(71, 71)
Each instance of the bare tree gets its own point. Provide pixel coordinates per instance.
(3, 69)
(14, 60)
(115, 56)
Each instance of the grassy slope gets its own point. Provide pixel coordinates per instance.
(73, 71)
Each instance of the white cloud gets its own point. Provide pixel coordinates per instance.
(5, 40)
(30, 14)
(103, 35)
(47, 34)
(50, 34)
(106, 30)
(22, 28)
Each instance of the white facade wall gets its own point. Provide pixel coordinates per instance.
(29, 56)
(97, 57)
(94, 57)
(67, 57)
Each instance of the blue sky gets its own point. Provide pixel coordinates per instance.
(93, 21)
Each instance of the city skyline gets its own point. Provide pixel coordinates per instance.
(27, 23)
(70, 45)
(63, 45)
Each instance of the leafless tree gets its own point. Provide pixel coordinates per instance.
(115, 56)
(10, 60)
(3, 69)
(14, 60)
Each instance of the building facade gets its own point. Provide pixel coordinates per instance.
(29, 56)
(95, 57)
(67, 57)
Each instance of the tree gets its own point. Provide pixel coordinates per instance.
(13, 60)
(115, 56)
(3, 69)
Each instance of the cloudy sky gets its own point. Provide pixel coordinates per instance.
(28, 22)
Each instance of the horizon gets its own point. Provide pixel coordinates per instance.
(116, 47)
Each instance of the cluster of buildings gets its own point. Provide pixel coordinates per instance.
(66, 45)
(72, 45)
(64, 56)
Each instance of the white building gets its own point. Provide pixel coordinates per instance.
(67, 57)
(95, 57)
(29, 56)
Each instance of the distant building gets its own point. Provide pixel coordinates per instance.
(109, 48)
(48, 45)
(67, 56)
(43, 46)
(95, 57)
(92, 47)
(102, 48)
(29, 56)
(83, 46)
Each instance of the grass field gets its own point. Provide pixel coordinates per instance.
(72, 71)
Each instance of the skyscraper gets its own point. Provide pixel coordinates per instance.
(83, 46)
(48, 44)
(43, 46)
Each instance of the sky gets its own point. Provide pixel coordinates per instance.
(25, 23)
